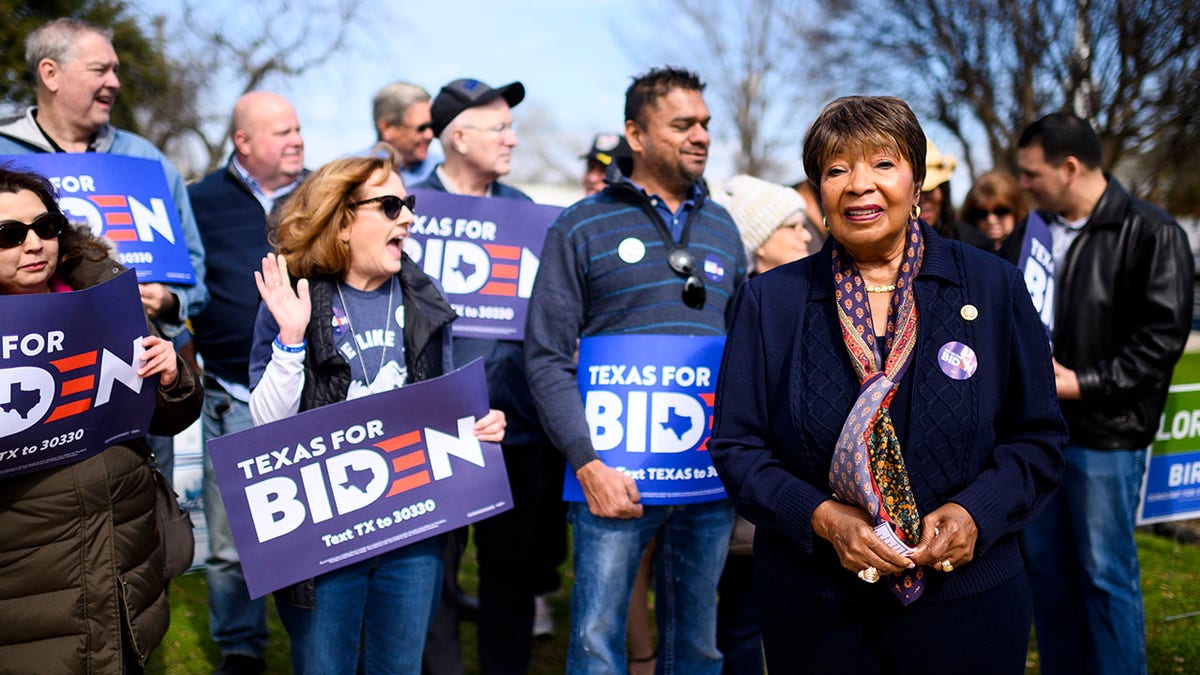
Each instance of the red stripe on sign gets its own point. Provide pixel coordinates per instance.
(408, 482)
(118, 218)
(108, 201)
(396, 442)
(710, 399)
(121, 235)
(505, 252)
(499, 288)
(68, 409)
(406, 462)
(703, 446)
(73, 362)
(505, 271)
(77, 385)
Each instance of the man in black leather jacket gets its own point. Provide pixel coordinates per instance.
(1123, 306)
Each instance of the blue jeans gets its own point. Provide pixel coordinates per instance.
(237, 623)
(1083, 566)
(370, 617)
(692, 542)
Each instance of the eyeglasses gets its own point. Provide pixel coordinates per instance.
(391, 204)
(495, 128)
(45, 226)
(684, 263)
(420, 128)
(980, 214)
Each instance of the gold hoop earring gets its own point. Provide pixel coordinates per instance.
(916, 211)
(825, 222)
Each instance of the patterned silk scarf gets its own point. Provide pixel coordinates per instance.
(867, 468)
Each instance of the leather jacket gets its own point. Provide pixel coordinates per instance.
(1122, 315)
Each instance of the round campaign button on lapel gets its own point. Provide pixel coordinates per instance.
(957, 360)
(969, 312)
(631, 250)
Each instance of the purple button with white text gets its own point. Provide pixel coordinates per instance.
(957, 360)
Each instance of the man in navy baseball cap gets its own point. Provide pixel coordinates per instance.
(468, 93)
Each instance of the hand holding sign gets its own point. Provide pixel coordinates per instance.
(291, 309)
(159, 358)
(609, 493)
(490, 427)
(157, 300)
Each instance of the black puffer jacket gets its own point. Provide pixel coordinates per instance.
(1123, 311)
(80, 559)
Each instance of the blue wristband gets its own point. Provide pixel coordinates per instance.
(291, 349)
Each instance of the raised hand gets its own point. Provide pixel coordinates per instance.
(290, 307)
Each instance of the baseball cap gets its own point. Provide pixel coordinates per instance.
(607, 147)
(466, 93)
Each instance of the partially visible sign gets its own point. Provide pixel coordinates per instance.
(649, 404)
(127, 201)
(346, 482)
(485, 252)
(69, 386)
(1037, 265)
(1171, 486)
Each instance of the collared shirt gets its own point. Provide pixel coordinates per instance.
(674, 220)
(1063, 232)
(268, 202)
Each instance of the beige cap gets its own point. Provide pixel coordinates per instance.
(758, 208)
(938, 167)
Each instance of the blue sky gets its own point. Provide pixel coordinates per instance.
(575, 59)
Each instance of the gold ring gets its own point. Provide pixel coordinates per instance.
(869, 575)
(946, 566)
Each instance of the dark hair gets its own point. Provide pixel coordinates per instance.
(861, 124)
(315, 214)
(75, 243)
(995, 186)
(652, 85)
(944, 223)
(1062, 135)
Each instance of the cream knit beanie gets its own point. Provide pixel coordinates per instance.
(758, 209)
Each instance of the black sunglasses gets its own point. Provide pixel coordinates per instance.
(999, 212)
(391, 204)
(684, 263)
(45, 226)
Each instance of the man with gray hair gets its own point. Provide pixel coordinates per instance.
(74, 70)
(403, 123)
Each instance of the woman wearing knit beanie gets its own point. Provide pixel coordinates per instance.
(771, 219)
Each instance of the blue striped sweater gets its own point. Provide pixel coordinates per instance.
(604, 271)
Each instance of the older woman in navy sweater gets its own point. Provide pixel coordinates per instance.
(886, 415)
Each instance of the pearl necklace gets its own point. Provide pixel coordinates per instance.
(881, 289)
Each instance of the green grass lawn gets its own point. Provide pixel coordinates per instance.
(1170, 586)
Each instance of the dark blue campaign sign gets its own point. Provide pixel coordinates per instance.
(649, 404)
(127, 201)
(69, 386)
(485, 254)
(346, 482)
(1037, 264)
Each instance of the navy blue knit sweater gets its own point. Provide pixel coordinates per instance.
(233, 228)
(586, 287)
(991, 443)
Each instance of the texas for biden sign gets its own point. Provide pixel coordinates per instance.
(346, 482)
(127, 201)
(69, 386)
(649, 404)
(484, 251)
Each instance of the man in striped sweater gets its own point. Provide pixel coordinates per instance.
(605, 270)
